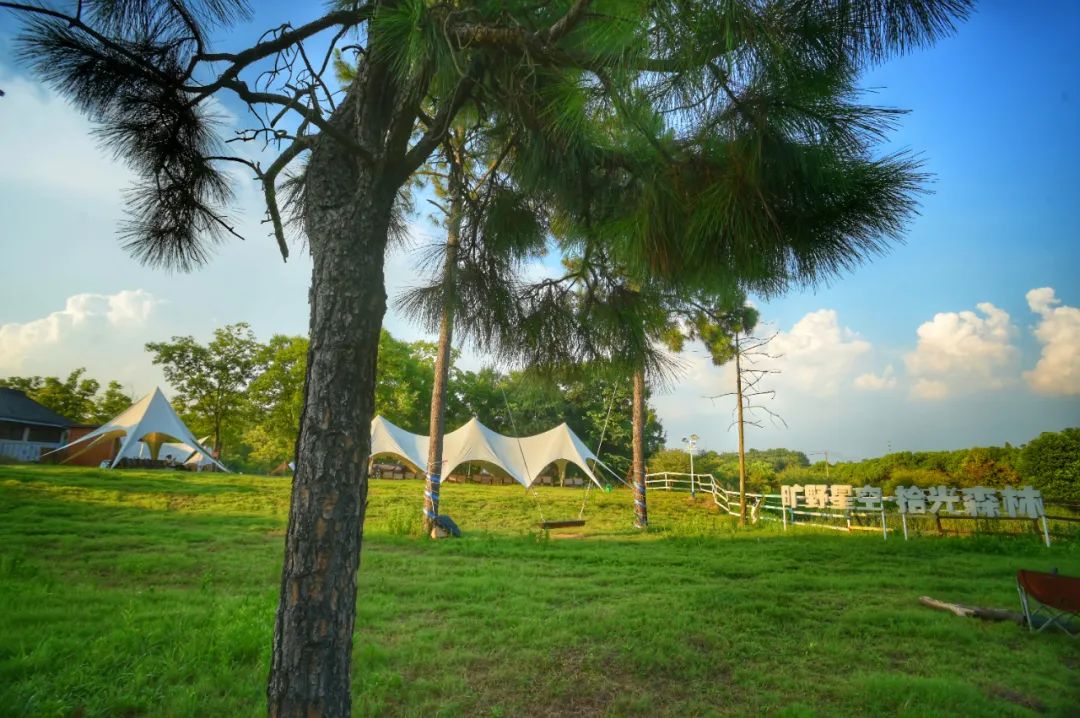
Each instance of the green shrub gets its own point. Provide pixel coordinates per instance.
(923, 478)
(1051, 463)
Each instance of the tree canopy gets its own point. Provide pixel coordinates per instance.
(1052, 462)
(211, 380)
(74, 397)
(501, 400)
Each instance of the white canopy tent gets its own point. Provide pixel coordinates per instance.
(522, 458)
(144, 428)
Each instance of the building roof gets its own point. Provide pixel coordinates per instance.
(18, 407)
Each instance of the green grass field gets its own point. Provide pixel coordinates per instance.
(153, 594)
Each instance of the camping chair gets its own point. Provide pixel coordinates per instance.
(1057, 600)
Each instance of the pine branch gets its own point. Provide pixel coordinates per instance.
(418, 154)
(253, 98)
(262, 50)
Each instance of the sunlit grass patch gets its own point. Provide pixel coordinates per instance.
(153, 593)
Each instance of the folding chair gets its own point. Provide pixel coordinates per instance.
(1056, 599)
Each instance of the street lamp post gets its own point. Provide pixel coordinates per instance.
(691, 444)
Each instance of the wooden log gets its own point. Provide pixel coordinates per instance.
(986, 614)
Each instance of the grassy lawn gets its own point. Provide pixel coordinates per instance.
(127, 593)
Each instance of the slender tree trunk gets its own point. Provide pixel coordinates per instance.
(347, 215)
(217, 436)
(641, 510)
(442, 362)
(742, 445)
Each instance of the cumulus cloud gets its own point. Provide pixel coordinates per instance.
(86, 319)
(1058, 330)
(930, 389)
(818, 355)
(876, 382)
(963, 351)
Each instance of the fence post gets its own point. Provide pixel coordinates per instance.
(903, 519)
(1046, 531)
(884, 529)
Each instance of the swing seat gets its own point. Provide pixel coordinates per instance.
(561, 524)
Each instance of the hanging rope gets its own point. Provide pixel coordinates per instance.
(517, 437)
(599, 445)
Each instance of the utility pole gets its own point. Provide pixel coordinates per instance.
(691, 445)
(825, 453)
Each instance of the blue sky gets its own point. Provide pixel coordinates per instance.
(937, 344)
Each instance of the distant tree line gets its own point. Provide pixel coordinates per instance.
(247, 396)
(511, 403)
(1049, 462)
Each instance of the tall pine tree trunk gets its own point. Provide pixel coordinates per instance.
(641, 509)
(347, 214)
(742, 445)
(442, 361)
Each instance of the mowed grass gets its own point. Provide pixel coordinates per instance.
(153, 594)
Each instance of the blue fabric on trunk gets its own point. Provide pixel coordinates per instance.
(448, 524)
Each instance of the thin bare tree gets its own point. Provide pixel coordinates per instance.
(747, 351)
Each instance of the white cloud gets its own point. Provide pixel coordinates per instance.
(63, 338)
(960, 352)
(930, 389)
(818, 355)
(875, 382)
(1058, 330)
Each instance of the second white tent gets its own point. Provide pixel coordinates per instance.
(523, 458)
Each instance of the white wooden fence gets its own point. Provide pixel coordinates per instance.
(769, 507)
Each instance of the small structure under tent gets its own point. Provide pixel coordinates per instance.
(192, 458)
(147, 432)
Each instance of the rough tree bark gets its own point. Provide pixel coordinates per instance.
(437, 425)
(347, 214)
(641, 510)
